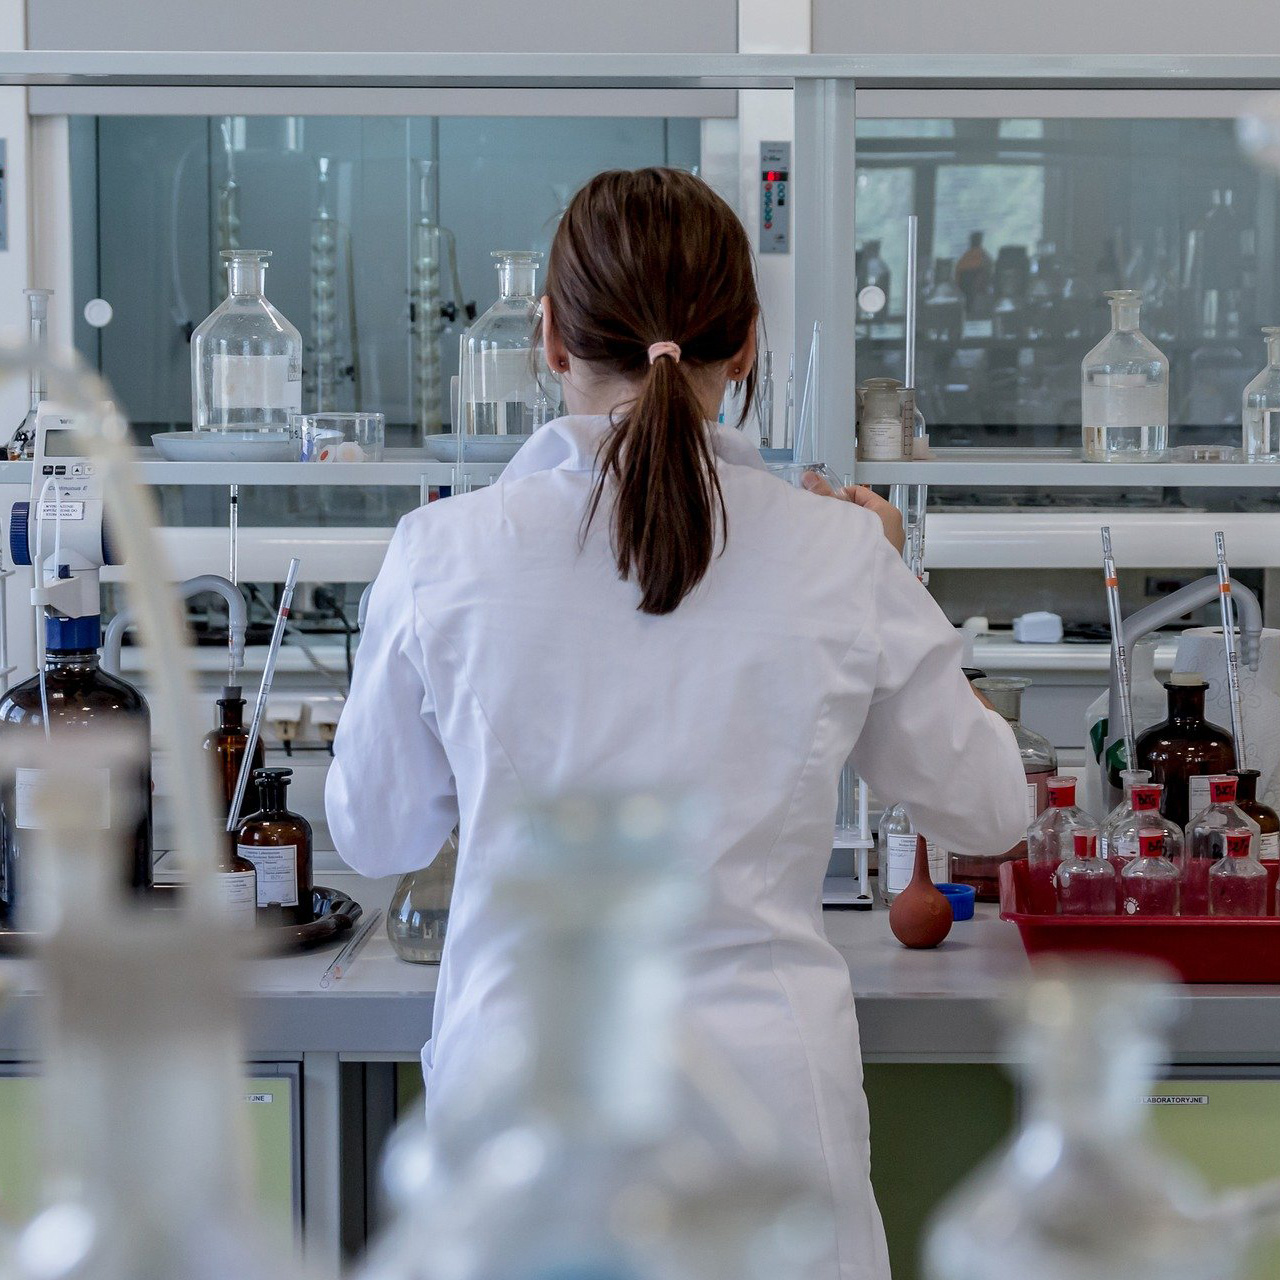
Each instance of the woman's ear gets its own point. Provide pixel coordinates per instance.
(743, 358)
(557, 353)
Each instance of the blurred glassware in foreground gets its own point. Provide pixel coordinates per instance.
(580, 1152)
(1078, 1193)
(418, 916)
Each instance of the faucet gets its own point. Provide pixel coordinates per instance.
(237, 619)
(1157, 615)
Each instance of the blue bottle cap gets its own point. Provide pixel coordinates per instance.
(65, 635)
(961, 897)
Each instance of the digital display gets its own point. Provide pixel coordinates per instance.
(775, 175)
(61, 442)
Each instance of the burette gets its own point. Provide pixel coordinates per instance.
(1119, 653)
(1233, 656)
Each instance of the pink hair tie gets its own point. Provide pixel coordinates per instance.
(671, 349)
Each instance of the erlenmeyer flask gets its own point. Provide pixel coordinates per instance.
(418, 915)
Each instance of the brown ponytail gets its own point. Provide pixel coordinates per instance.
(642, 257)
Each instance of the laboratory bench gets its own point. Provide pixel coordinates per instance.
(930, 1028)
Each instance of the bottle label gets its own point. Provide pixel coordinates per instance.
(96, 789)
(277, 868)
(900, 861)
(1198, 793)
(880, 440)
(238, 898)
(1269, 846)
(254, 382)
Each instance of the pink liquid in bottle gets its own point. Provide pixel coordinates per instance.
(1149, 885)
(1238, 882)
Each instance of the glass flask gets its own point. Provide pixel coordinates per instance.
(79, 696)
(418, 916)
(1051, 840)
(1086, 882)
(498, 385)
(1080, 1192)
(897, 854)
(583, 1149)
(1266, 817)
(1150, 884)
(1261, 414)
(145, 1164)
(1184, 750)
(1206, 841)
(1040, 762)
(246, 358)
(435, 266)
(1124, 390)
(278, 843)
(226, 745)
(1238, 881)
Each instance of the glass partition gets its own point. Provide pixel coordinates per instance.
(1024, 223)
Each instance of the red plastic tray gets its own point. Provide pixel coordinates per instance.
(1197, 948)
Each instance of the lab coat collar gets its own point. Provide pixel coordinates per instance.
(571, 444)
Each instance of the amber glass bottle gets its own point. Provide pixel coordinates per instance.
(226, 744)
(1266, 817)
(77, 693)
(237, 886)
(1184, 750)
(278, 843)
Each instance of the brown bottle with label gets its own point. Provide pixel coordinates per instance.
(226, 744)
(278, 844)
(1266, 817)
(1183, 751)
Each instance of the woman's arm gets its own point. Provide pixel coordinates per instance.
(928, 742)
(390, 797)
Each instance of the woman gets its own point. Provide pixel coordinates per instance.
(638, 602)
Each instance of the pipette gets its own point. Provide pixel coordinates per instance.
(1119, 654)
(1233, 657)
(344, 959)
(264, 689)
(804, 447)
(233, 537)
(913, 223)
(789, 405)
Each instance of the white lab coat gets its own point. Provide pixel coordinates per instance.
(504, 660)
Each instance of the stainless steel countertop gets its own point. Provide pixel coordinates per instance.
(913, 1006)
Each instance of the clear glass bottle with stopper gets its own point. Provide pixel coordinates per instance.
(499, 391)
(1143, 814)
(246, 358)
(1080, 1192)
(1039, 762)
(1237, 880)
(1129, 778)
(1151, 884)
(1261, 409)
(1124, 390)
(1051, 840)
(1206, 842)
(418, 916)
(1086, 883)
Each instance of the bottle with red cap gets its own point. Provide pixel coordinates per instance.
(1238, 881)
(1123, 830)
(1086, 882)
(1150, 883)
(1206, 841)
(1051, 840)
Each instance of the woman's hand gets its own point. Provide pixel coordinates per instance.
(861, 496)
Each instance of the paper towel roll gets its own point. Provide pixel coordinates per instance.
(1200, 649)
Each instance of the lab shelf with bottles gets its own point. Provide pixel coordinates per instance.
(1062, 468)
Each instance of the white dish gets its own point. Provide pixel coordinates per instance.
(226, 446)
(444, 448)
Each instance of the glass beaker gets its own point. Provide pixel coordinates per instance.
(246, 358)
(1124, 390)
(498, 387)
(1039, 762)
(1261, 412)
(341, 437)
(418, 916)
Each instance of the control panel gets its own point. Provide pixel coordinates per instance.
(775, 197)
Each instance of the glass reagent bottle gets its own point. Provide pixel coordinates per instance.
(1050, 841)
(278, 844)
(1151, 884)
(1206, 842)
(1086, 883)
(1238, 881)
